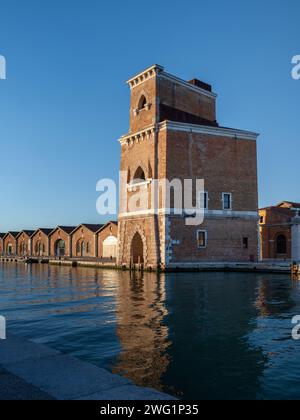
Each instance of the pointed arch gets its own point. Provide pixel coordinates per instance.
(142, 102)
(139, 175)
(137, 249)
(138, 230)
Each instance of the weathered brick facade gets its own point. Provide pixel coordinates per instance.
(61, 241)
(84, 241)
(108, 234)
(174, 134)
(275, 230)
(10, 244)
(1, 243)
(40, 243)
(24, 243)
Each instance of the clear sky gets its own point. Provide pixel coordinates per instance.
(65, 104)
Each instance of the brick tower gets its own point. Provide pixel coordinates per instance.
(174, 134)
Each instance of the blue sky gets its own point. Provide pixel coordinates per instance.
(64, 104)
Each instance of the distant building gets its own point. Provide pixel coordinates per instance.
(84, 241)
(40, 242)
(174, 134)
(10, 244)
(61, 241)
(275, 230)
(108, 240)
(95, 241)
(24, 243)
(1, 243)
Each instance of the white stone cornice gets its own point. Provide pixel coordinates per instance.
(145, 75)
(213, 131)
(145, 134)
(148, 132)
(208, 214)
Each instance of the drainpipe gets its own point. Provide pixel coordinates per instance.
(70, 246)
(96, 245)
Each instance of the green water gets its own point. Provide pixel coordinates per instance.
(196, 336)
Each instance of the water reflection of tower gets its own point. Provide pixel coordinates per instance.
(141, 329)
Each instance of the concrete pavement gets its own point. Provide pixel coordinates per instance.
(30, 371)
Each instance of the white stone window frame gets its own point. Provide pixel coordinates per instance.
(132, 187)
(207, 200)
(137, 110)
(205, 236)
(223, 201)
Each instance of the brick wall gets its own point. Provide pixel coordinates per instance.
(40, 244)
(224, 240)
(185, 99)
(23, 244)
(57, 235)
(274, 223)
(10, 239)
(83, 234)
(226, 165)
(111, 229)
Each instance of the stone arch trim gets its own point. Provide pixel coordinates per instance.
(280, 233)
(276, 237)
(138, 164)
(140, 231)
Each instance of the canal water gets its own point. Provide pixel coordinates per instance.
(195, 336)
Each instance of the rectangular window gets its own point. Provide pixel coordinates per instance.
(227, 201)
(245, 243)
(204, 200)
(262, 219)
(202, 238)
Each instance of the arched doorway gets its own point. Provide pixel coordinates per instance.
(281, 245)
(110, 247)
(23, 249)
(60, 248)
(81, 248)
(137, 249)
(39, 249)
(9, 249)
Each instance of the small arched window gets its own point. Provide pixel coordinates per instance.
(281, 244)
(142, 103)
(139, 175)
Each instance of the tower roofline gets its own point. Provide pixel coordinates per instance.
(144, 75)
(156, 69)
